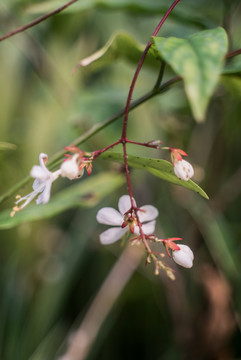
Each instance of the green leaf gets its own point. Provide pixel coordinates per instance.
(158, 167)
(199, 61)
(120, 46)
(86, 193)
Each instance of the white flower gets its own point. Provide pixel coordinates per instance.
(41, 185)
(184, 256)
(183, 169)
(110, 216)
(70, 168)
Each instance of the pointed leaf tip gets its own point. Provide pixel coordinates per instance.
(198, 59)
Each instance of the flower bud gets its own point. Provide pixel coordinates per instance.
(155, 142)
(184, 256)
(70, 168)
(183, 170)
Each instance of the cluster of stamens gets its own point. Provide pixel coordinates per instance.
(130, 220)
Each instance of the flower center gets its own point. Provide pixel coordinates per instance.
(130, 220)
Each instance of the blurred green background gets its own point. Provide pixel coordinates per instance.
(52, 269)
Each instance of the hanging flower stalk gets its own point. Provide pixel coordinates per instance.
(130, 219)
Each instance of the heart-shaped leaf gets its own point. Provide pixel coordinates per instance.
(198, 60)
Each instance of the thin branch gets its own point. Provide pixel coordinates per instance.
(233, 53)
(128, 103)
(37, 21)
(139, 66)
(160, 75)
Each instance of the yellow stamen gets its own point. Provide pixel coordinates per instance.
(15, 209)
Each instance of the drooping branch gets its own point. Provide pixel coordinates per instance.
(128, 102)
(37, 21)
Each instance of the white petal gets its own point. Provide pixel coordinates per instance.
(109, 216)
(124, 204)
(112, 235)
(38, 172)
(149, 213)
(43, 159)
(54, 175)
(38, 185)
(184, 256)
(147, 228)
(39, 199)
(45, 194)
(70, 168)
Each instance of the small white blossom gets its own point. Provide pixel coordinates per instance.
(183, 169)
(70, 168)
(184, 256)
(41, 185)
(110, 216)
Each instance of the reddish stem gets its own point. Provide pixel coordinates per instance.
(124, 129)
(133, 205)
(233, 53)
(124, 139)
(142, 144)
(99, 152)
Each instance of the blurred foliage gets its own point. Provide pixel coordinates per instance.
(51, 269)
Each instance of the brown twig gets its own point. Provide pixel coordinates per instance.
(37, 21)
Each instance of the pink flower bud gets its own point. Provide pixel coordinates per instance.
(183, 170)
(184, 256)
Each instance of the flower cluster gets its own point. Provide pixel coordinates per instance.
(125, 220)
(71, 168)
(130, 219)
